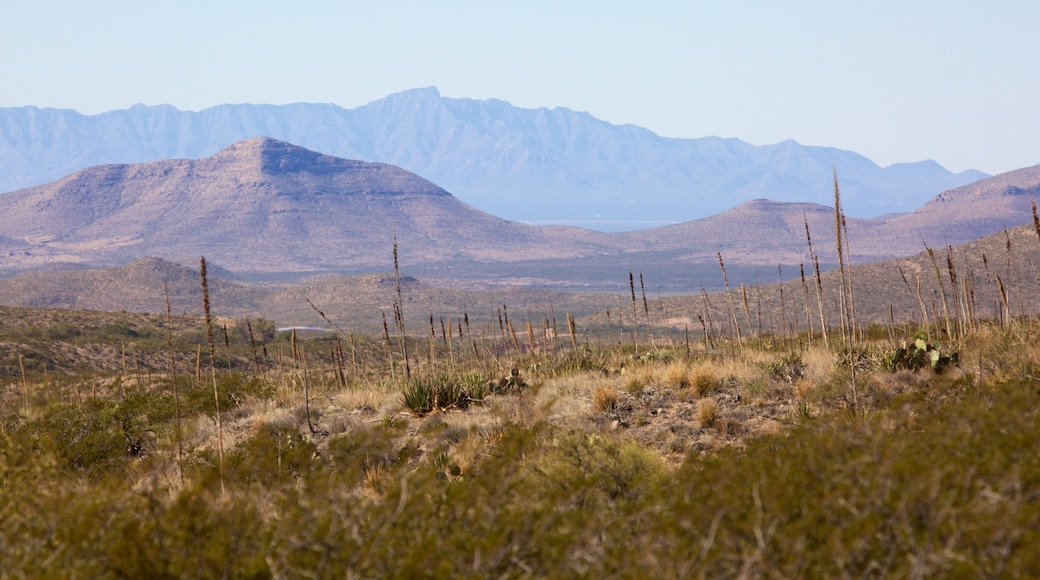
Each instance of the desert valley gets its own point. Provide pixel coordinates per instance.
(250, 358)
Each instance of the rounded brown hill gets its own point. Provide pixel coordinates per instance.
(266, 206)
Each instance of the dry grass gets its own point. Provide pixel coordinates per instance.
(708, 412)
(703, 379)
(604, 399)
(677, 375)
(639, 378)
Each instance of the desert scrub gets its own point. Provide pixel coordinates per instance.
(639, 378)
(787, 368)
(920, 354)
(273, 454)
(590, 469)
(101, 435)
(232, 389)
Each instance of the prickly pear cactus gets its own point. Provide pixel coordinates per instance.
(919, 354)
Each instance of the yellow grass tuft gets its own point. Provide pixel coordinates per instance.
(708, 412)
(703, 380)
(605, 399)
(639, 379)
(677, 375)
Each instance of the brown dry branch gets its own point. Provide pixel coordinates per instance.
(570, 330)
(178, 433)
(399, 313)
(432, 339)
(848, 335)
(389, 349)
(853, 325)
(783, 304)
(808, 306)
(512, 330)
(25, 383)
(1036, 219)
(646, 310)
(300, 365)
(729, 298)
(815, 263)
(252, 346)
(942, 290)
(213, 370)
(747, 309)
(635, 317)
(843, 299)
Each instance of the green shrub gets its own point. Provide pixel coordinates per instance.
(100, 434)
(273, 454)
(588, 469)
(360, 450)
(232, 390)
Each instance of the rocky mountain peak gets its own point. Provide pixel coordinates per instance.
(271, 156)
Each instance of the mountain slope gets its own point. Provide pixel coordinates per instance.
(267, 208)
(765, 231)
(263, 206)
(987, 205)
(551, 165)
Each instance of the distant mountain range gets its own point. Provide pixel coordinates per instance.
(267, 208)
(536, 165)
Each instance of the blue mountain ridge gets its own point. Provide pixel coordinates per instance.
(537, 165)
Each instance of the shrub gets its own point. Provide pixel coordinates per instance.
(232, 391)
(590, 468)
(788, 368)
(99, 434)
(639, 379)
(273, 454)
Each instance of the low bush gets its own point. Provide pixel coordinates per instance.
(232, 391)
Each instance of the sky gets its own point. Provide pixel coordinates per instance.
(897, 81)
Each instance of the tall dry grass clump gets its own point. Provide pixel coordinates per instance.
(701, 378)
(604, 399)
(677, 375)
(708, 412)
(704, 380)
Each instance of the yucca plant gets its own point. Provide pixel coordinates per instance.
(443, 392)
(419, 396)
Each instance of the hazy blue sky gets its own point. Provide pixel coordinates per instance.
(955, 81)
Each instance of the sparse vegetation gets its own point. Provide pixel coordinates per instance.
(517, 448)
(413, 477)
